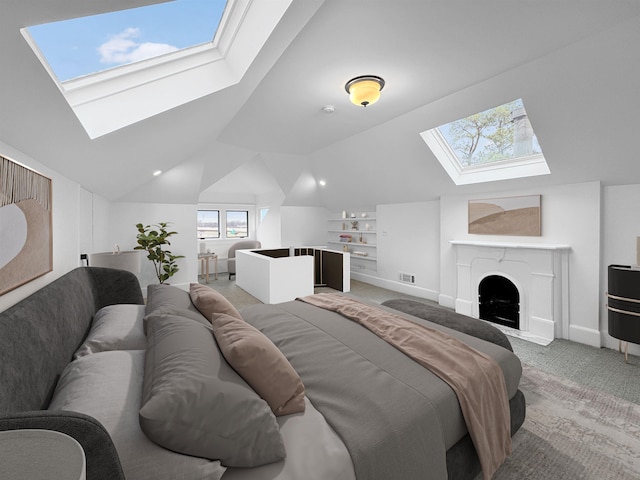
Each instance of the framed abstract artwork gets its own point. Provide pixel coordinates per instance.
(506, 216)
(26, 246)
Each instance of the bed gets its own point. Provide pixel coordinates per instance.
(373, 413)
(85, 357)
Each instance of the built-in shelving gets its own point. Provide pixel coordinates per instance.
(360, 242)
(355, 243)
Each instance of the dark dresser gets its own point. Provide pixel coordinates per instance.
(623, 304)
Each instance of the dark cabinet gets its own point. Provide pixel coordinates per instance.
(623, 303)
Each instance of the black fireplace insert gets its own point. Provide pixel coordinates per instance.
(499, 301)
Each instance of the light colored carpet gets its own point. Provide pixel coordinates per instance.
(573, 432)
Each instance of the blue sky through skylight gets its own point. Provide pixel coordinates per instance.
(82, 46)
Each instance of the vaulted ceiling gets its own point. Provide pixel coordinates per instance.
(575, 63)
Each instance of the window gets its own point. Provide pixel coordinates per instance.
(208, 224)
(495, 144)
(237, 223)
(263, 213)
(86, 45)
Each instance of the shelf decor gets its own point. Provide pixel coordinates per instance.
(356, 236)
(505, 216)
(26, 250)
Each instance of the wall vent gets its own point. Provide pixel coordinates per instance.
(407, 277)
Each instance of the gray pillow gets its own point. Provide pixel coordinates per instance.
(108, 386)
(115, 327)
(172, 300)
(194, 403)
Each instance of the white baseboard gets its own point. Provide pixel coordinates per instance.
(447, 301)
(588, 336)
(464, 307)
(542, 327)
(396, 286)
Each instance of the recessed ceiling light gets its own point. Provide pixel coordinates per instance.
(322, 183)
(157, 172)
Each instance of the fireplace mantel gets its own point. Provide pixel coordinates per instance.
(534, 246)
(538, 270)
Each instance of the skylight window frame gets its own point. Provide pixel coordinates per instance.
(179, 61)
(127, 68)
(510, 168)
(114, 98)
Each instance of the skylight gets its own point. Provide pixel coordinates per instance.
(153, 73)
(86, 45)
(495, 144)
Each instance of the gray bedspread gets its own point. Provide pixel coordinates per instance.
(396, 418)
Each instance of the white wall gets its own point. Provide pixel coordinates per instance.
(270, 229)
(94, 235)
(408, 241)
(66, 226)
(85, 232)
(571, 216)
(101, 225)
(303, 226)
(620, 227)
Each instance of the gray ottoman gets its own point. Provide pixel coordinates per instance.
(449, 318)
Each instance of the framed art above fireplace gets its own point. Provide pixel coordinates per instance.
(518, 216)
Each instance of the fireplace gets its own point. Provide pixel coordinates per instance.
(534, 277)
(499, 301)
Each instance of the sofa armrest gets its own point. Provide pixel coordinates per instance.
(101, 456)
(115, 287)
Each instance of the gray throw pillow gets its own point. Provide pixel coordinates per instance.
(108, 386)
(194, 403)
(172, 300)
(115, 327)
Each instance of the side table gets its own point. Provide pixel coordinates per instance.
(623, 305)
(204, 264)
(33, 454)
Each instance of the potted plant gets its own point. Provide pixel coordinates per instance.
(153, 239)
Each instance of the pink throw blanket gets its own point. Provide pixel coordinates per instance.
(476, 378)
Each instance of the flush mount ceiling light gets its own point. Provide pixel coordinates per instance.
(364, 90)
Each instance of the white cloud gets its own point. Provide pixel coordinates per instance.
(124, 48)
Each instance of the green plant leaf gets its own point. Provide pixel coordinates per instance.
(152, 238)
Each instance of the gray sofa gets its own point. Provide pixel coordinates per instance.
(38, 337)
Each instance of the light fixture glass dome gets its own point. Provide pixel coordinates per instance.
(364, 90)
